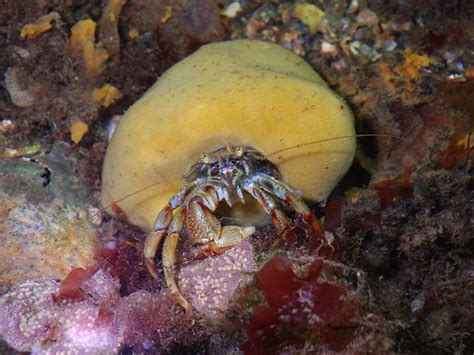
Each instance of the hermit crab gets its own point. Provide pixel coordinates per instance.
(235, 122)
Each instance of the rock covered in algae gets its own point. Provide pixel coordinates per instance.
(34, 317)
(45, 229)
(42, 315)
(241, 92)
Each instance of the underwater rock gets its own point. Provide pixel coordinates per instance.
(45, 227)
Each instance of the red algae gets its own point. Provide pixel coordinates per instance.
(308, 232)
(71, 285)
(301, 301)
(299, 309)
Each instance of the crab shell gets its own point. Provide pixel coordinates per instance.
(241, 92)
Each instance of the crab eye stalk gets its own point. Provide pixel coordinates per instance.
(205, 158)
(239, 151)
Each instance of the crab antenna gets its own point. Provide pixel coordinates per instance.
(133, 193)
(331, 139)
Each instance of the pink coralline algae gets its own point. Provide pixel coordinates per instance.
(35, 317)
(211, 284)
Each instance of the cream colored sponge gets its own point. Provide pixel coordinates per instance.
(242, 92)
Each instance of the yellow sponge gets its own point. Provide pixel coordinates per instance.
(240, 92)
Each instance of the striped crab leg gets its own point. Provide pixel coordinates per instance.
(286, 193)
(162, 222)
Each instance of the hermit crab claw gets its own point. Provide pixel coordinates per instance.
(193, 207)
(230, 236)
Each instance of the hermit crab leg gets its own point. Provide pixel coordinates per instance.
(152, 241)
(161, 224)
(279, 218)
(169, 255)
(164, 218)
(153, 238)
(287, 193)
(170, 221)
(203, 227)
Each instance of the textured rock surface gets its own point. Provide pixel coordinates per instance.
(211, 284)
(34, 318)
(45, 227)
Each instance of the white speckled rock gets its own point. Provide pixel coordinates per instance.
(211, 284)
